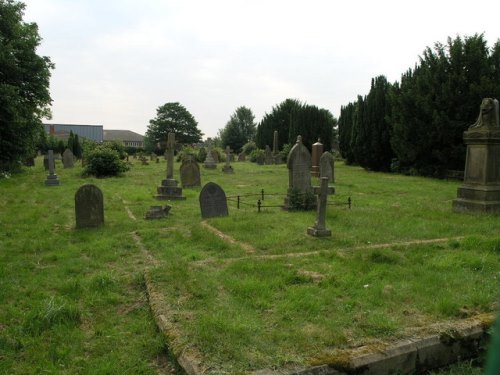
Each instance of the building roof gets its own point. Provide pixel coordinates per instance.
(122, 135)
(93, 132)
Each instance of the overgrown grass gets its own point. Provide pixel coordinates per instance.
(73, 301)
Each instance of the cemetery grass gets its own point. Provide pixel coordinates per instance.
(74, 301)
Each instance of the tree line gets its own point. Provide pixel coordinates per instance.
(416, 125)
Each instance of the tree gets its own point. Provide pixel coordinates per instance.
(172, 117)
(24, 86)
(438, 100)
(292, 118)
(239, 130)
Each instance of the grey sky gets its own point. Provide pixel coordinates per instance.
(117, 61)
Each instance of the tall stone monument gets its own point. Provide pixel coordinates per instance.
(317, 151)
(299, 171)
(480, 191)
(169, 189)
(227, 168)
(52, 179)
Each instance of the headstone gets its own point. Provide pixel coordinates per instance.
(213, 201)
(190, 172)
(299, 171)
(327, 166)
(319, 229)
(157, 212)
(168, 188)
(242, 157)
(68, 159)
(317, 151)
(89, 207)
(209, 160)
(480, 191)
(52, 179)
(269, 159)
(227, 167)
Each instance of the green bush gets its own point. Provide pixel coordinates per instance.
(257, 154)
(202, 155)
(104, 161)
(249, 147)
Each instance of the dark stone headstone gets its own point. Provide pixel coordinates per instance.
(213, 201)
(68, 159)
(190, 172)
(227, 167)
(89, 207)
(242, 157)
(327, 166)
(269, 158)
(299, 172)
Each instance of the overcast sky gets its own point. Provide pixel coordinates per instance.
(117, 61)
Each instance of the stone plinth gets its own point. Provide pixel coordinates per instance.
(169, 190)
(480, 191)
(52, 180)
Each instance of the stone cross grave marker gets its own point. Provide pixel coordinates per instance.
(190, 172)
(52, 179)
(213, 201)
(89, 207)
(319, 229)
(68, 159)
(227, 167)
(209, 160)
(327, 166)
(169, 188)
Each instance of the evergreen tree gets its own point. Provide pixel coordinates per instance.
(77, 147)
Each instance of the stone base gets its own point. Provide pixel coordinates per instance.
(317, 232)
(481, 199)
(227, 169)
(169, 191)
(157, 212)
(51, 180)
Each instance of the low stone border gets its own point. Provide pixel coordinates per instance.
(188, 358)
(413, 356)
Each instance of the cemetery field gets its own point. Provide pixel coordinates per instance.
(240, 293)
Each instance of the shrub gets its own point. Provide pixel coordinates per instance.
(249, 147)
(202, 155)
(104, 161)
(257, 154)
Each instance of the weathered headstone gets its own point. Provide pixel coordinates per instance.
(68, 159)
(480, 191)
(213, 201)
(89, 207)
(157, 212)
(29, 162)
(227, 167)
(190, 172)
(319, 229)
(327, 166)
(317, 151)
(52, 179)
(299, 171)
(209, 160)
(242, 157)
(169, 188)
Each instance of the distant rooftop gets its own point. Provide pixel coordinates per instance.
(122, 135)
(93, 132)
